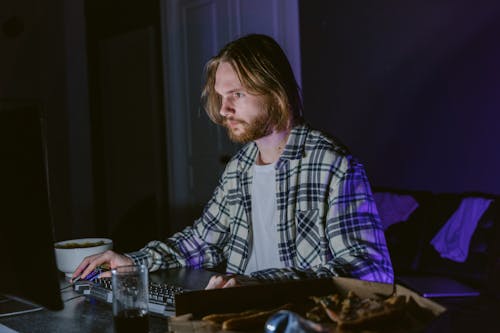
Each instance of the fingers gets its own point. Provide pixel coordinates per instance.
(91, 262)
(230, 283)
(214, 282)
(222, 281)
(78, 271)
(106, 274)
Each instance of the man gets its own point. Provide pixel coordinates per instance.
(292, 203)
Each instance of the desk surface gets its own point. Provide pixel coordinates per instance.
(82, 314)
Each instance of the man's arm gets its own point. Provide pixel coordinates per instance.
(196, 246)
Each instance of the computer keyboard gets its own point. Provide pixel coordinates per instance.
(161, 295)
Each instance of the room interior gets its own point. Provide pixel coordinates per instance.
(410, 87)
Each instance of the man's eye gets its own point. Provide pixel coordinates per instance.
(238, 94)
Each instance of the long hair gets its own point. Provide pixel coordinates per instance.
(263, 69)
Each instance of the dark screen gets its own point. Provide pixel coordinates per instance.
(26, 236)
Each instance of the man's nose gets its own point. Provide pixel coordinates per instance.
(226, 109)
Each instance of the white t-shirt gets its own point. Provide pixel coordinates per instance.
(264, 247)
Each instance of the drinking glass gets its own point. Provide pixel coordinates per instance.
(130, 299)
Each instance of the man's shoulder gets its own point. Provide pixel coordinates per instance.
(322, 149)
(317, 139)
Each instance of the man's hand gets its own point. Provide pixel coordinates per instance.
(112, 259)
(229, 280)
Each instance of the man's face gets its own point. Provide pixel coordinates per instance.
(245, 115)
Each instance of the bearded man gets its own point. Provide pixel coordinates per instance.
(292, 203)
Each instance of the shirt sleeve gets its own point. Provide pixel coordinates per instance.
(197, 246)
(354, 231)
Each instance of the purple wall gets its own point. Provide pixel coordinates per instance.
(413, 88)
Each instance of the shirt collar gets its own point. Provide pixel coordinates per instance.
(294, 148)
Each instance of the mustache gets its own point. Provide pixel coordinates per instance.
(228, 119)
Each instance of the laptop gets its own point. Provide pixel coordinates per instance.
(437, 286)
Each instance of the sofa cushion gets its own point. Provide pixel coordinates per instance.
(404, 239)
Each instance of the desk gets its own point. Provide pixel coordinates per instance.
(473, 314)
(82, 314)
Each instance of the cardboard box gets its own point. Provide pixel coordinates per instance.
(266, 296)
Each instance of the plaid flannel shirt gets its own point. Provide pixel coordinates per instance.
(329, 224)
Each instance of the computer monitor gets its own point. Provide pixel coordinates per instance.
(26, 234)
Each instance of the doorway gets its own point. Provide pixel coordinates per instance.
(127, 120)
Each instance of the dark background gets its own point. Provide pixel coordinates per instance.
(412, 87)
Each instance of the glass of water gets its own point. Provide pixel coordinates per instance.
(130, 299)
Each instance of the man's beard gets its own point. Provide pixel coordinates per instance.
(256, 129)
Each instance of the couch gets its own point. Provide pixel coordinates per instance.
(409, 240)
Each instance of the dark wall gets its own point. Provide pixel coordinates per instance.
(32, 71)
(412, 87)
